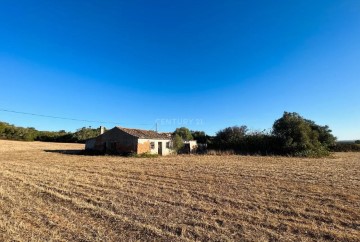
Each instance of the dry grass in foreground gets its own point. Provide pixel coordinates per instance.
(53, 196)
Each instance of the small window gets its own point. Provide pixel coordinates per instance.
(168, 145)
(152, 145)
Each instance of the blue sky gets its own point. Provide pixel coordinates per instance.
(201, 64)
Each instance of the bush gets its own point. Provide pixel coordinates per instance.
(260, 144)
(345, 147)
(229, 138)
(320, 152)
(220, 152)
(178, 143)
(240, 141)
(145, 155)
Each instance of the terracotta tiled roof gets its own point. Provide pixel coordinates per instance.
(145, 134)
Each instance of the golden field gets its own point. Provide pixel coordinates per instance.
(50, 195)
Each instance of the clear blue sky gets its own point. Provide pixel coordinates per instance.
(211, 64)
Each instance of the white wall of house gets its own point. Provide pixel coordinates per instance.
(154, 149)
(192, 145)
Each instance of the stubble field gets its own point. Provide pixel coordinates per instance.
(47, 194)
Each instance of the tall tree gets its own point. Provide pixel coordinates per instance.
(300, 136)
(184, 133)
(200, 137)
(230, 137)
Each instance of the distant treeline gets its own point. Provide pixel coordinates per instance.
(11, 132)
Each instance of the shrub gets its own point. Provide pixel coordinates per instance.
(220, 152)
(229, 138)
(145, 155)
(345, 147)
(178, 143)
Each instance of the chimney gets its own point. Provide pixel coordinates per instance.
(102, 129)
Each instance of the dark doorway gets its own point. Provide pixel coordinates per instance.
(186, 149)
(160, 148)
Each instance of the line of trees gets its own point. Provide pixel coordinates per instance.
(11, 132)
(291, 135)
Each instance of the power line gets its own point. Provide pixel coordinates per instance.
(56, 117)
(63, 118)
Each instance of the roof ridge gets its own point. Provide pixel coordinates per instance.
(142, 133)
(119, 127)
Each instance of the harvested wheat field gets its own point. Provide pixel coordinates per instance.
(47, 194)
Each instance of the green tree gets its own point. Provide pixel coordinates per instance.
(357, 142)
(30, 134)
(184, 133)
(2, 128)
(81, 135)
(324, 134)
(302, 137)
(178, 143)
(230, 137)
(200, 137)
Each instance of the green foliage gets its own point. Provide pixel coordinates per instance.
(83, 134)
(184, 133)
(145, 155)
(230, 137)
(296, 133)
(260, 143)
(291, 135)
(241, 141)
(201, 137)
(302, 137)
(8, 131)
(11, 132)
(323, 133)
(345, 147)
(178, 143)
(357, 142)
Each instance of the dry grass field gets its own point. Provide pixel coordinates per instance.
(46, 195)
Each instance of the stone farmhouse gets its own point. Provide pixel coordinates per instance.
(124, 141)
